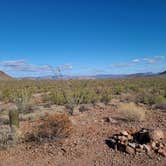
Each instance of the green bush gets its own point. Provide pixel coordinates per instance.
(159, 100)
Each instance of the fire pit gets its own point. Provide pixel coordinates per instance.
(143, 141)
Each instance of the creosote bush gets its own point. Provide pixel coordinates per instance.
(131, 112)
(51, 127)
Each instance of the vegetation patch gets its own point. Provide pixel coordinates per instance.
(131, 112)
(51, 128)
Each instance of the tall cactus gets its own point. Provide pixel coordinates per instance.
(14, 118)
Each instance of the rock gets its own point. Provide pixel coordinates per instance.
(147, 148)
(110, 120)
(161, 145)
(139, 142)
(121, 147)
(132, 145)
(125, 133)
(156, 134)
(141, 146)
(85, 107)
(100, 105)
(115, 136)
(122, 138)
(139, 150)
(130, 137)
(76, 111)
(130, 150)
(162, 152)
(153, 145)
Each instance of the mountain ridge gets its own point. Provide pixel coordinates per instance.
(163, 73)
(5, 76)
(100, 76)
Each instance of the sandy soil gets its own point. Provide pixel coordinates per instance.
(86, 146)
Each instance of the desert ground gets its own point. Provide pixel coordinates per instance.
(92, 125)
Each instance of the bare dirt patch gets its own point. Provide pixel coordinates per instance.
(86, 146)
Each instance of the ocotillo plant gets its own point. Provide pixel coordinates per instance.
(14, 118)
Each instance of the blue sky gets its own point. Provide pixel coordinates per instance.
(82, 37)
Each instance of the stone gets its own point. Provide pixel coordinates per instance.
(139, 142)
(156, 134)
(122, 138)
(115, 136)
(85, 107)
(100, 105)
(141, 146)
(133, 145)
(125, 133)
(110, 120)
(121, 147)
(162, 152)
(130, 137)
(76, 111)
(153, 144)
(130, 150)
(138, 150)
(147, 148)
(161, 145)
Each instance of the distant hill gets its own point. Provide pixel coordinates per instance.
(100, 76)
(4, 76)
(163, 73)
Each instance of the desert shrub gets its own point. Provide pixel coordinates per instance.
(118, 89)
(89, 96)
(160, 102)
(21, 97)
(131, 112)
(63, 92)
(6, 137)
(145, 98)
(76, 97)
(56, 97)
(106, 96)
(159, 99)
(128, 97)
(150, 99)
(51, 128)
(9, 136)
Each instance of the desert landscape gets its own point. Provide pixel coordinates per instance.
(82, 83)
(83, 122)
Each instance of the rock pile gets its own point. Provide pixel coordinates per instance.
(143, 141)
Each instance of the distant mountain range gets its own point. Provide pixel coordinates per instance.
(4, 76)
(123, 75)
(102, 76)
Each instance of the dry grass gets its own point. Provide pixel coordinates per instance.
(51, 127)
(131, 112)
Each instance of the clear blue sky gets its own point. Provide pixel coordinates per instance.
(82, 36)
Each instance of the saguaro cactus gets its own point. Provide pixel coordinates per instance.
(14, 118)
